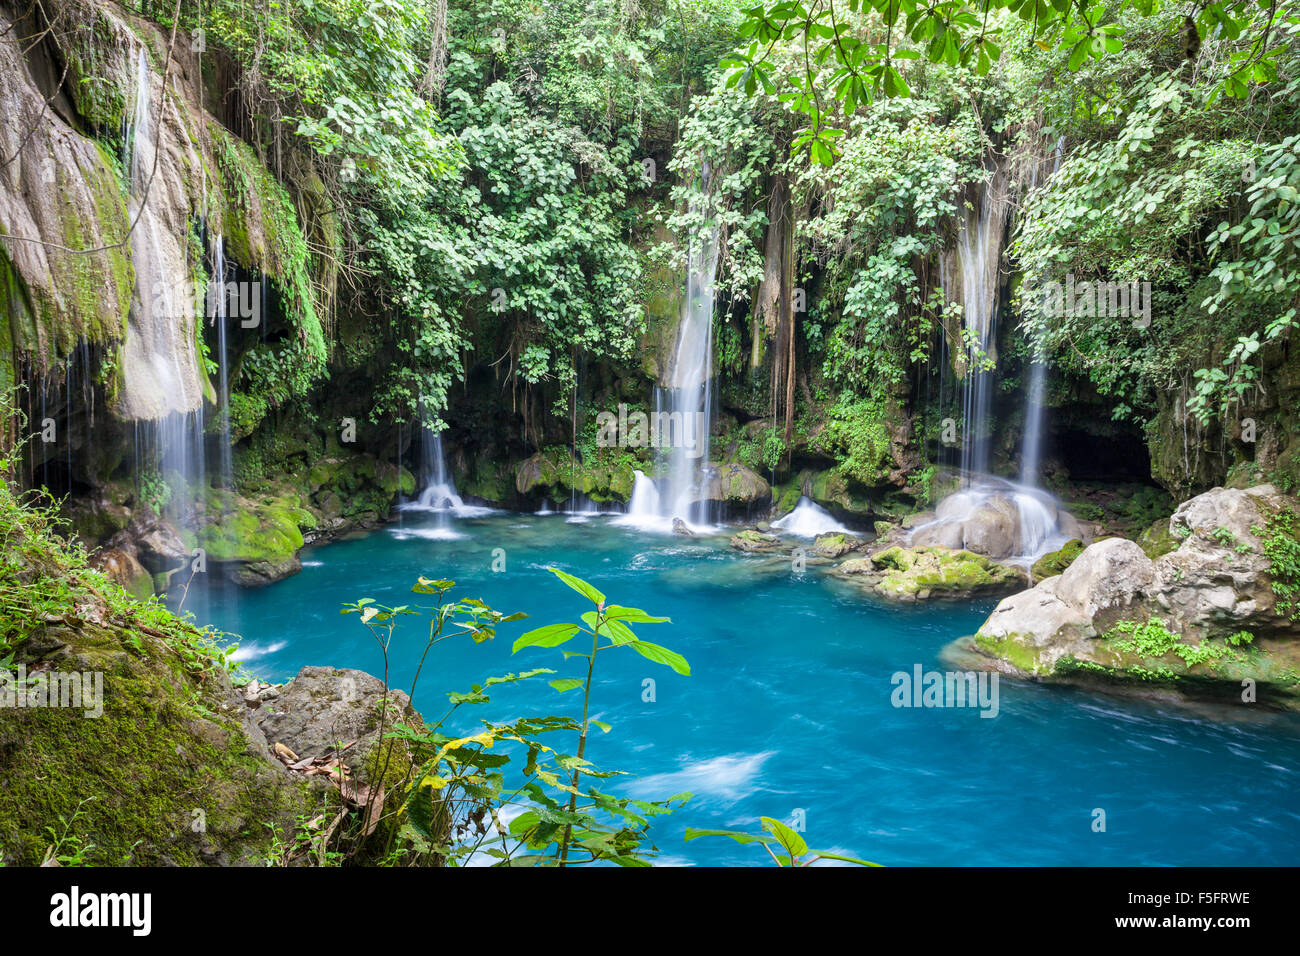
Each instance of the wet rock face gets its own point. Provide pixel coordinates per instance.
(734, 484)
(1216, 584)
(998, 521)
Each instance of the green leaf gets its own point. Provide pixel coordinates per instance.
(579, 585)
(633, 614)
(742, 838)
(566, 683)
(661, 655)
(552, 635)
(826, 855)
(792, 841)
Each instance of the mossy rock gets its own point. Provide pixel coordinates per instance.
(1050, 565)
(755, 541)
(242, 531)
(555, 473)
(489, 481)
(832, 489)
(394, 480)
(1157, 540)
(786, 498)
(918, 574)
(322, 473)
(834, 545)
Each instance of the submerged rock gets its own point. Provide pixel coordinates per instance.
(755, 541)
(918, 574)
(834, 545)
(1214, 611)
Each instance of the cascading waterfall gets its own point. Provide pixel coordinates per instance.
(1031, 447)
(218, 310)
(985, 500)
(437, 495)
(159, 394)
(979, 256)
(686, 406)
(439, 491)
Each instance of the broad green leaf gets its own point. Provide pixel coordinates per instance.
(552, 635)
(633, 615)
(662, 655)
(792, 841)
(579, 585)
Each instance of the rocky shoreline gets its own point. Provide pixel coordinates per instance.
(1212, 617)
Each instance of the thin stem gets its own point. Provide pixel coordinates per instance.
(582, 739)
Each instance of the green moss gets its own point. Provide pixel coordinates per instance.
(937, 572)
(156, 764)
(1157, 540)
(555, 473)
(253, 198)
(1019, 654)
(1050, 565)
(267, 531)
(172, 777)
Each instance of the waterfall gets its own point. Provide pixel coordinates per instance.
(645, 497)
(218, 310)
(141, 145)
(1031, 446)
(439, 491)
(978, 253)
(1017, 519)
(160, 367)
(808, 520)
(685, 407)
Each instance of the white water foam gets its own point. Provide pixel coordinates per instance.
(808, 519)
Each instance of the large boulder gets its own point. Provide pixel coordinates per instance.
(1216, 610)
(998, 523)
(735, 485)
(328, 708)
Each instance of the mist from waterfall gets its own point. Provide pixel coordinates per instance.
(808, 520)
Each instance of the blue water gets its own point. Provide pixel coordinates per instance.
(788, 706)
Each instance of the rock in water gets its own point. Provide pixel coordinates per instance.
(679, 527)
(919, 574)
(1214, 609)
(755, 541)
